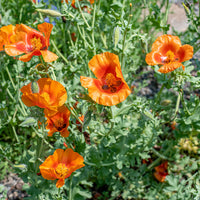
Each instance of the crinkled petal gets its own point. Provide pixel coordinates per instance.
(100, 96)
(47, 172)
(100, 63)
(185, 53)
(170, 67)
(60, 183)
(48, 56)
(165, 43)
(46, 29)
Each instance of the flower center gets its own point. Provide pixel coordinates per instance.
(111, 82)
(36, 43)
(60, 124)
(170, 57)
(61, 170)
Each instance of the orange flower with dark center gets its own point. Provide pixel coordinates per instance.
(60, 165)
(168, 52)
(6, 36)
(58, 122)
(45, 93)
(110, 87)
(161, 172)
(30, 42)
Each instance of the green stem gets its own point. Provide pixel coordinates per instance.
(124, 36)
(183, 102)
(70, 187)
(160, 155)
(166, 13)
(112, 123)
(15, 134)
(10, 78)
(42, 137)
(159, 159)
(59, 53)
(177, 106)
(159, 93)
(93, 21)
(79, 30)
(83, 15)
(73, 113)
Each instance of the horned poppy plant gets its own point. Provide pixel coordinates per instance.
(6, 35)
(168, 52)
(110, 87)
(60, 165)
(59, 122)
(44, 93)
(161, 172)
(31, 42)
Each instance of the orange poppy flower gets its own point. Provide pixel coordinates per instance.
(161, 172)
(110, 87)
(168, 52)
(60, 165)
(59, 122)
(6, 35)
(31, 43)
(45, 93)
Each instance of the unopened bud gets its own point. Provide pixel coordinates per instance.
(34, 87)
(130, 4)
(49, 12)
(166, 102)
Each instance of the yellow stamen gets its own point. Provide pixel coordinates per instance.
(170, 57)
(36, 43)
(111, 80)
(61, 170)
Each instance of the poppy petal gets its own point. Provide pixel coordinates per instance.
(60, 183)
(165, 43)
(99, 96)
(26, 57)
(64, 133)
(73, 160)
(101, 62)
(170, 67)
(47, 173)
(46, 29)
(48, 56)
(12, 50)
(185, 53)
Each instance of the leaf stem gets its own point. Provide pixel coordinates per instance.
(59, 53)
(93, 22)
(124, 36)
(83, 15)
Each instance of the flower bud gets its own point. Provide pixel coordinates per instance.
(49, 12)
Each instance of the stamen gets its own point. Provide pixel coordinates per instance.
(105, 87)
(170, 57)
(61, 170)
(111, 80)
(113, 89)
(36, 43)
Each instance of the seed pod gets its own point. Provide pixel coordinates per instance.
(35, 87)
(166, 102)
(116, 35)
(49, 12)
